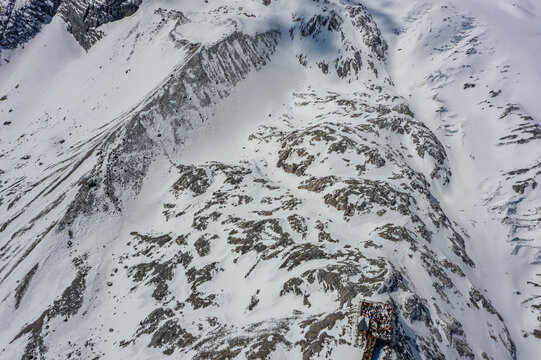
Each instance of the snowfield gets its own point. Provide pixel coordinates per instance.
(230, 179)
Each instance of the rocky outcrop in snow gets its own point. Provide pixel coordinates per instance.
(337, 195)
(21, 22)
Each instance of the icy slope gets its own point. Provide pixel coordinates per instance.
(230, 179)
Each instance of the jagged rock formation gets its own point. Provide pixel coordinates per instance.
(21, 22)
(181, 103)
(131, 242)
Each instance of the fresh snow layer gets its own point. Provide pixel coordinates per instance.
(508, 42)
(63, 98)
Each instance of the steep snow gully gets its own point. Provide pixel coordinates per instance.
(232, 179)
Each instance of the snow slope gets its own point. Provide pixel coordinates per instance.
(229, 179)
(491, 131)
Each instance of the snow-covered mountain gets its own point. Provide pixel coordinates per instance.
(229, 179)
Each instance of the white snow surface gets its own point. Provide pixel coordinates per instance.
(62, 102)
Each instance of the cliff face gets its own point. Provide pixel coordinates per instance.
(219, 180)
(21, 21)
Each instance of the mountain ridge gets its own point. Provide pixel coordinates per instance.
(335, 186)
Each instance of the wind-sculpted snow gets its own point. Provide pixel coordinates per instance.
(299, 158)
(516, 194)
